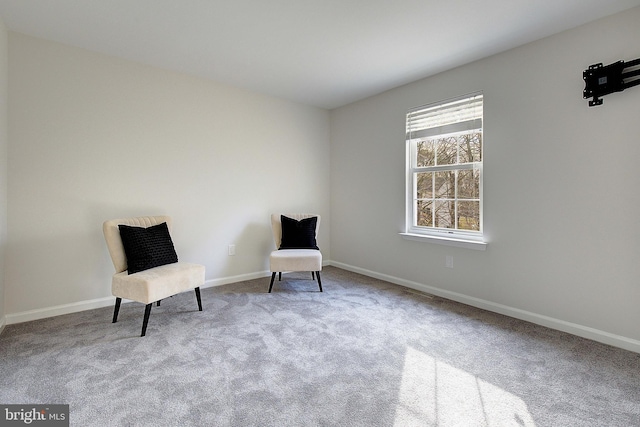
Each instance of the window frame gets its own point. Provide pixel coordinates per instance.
(448, 236)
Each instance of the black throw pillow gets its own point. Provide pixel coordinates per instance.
(298, 234)
(146, 248)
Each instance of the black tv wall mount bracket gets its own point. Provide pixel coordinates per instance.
(602, 80)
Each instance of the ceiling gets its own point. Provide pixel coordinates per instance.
(325, 53)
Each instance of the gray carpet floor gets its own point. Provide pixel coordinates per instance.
(362, 353)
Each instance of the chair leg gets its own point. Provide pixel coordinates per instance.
(198, 298)
(273, 276)
(319, 281)
(279, 276)
(116, 309)
(147, 311)
(158, 303)
(313, 276)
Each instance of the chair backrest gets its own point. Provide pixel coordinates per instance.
(114, 242)
(276, 225)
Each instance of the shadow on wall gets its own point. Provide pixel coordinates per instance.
(57, 269)
(66, 263)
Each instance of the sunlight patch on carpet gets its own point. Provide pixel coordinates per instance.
(434, 393)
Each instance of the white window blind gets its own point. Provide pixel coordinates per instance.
(440, 119)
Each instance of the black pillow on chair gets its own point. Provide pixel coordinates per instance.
(298, 234)
(146, 248)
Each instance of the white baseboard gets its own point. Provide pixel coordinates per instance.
(43, 313)
(539, 319)
(243, 277)
(234, 279)
(561, 325)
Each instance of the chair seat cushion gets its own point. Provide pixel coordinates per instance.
(295, 260)
(157, 283)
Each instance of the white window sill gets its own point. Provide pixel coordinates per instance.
(447, 241)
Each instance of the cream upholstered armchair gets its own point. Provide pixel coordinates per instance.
(296, 245)
(147, 266)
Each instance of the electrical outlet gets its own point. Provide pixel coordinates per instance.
(232, 250)
(449, 261)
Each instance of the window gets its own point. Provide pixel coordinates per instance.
(444, 169)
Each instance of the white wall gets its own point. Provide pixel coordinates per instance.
(561, 187)
(94, 137)
(4, 70)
